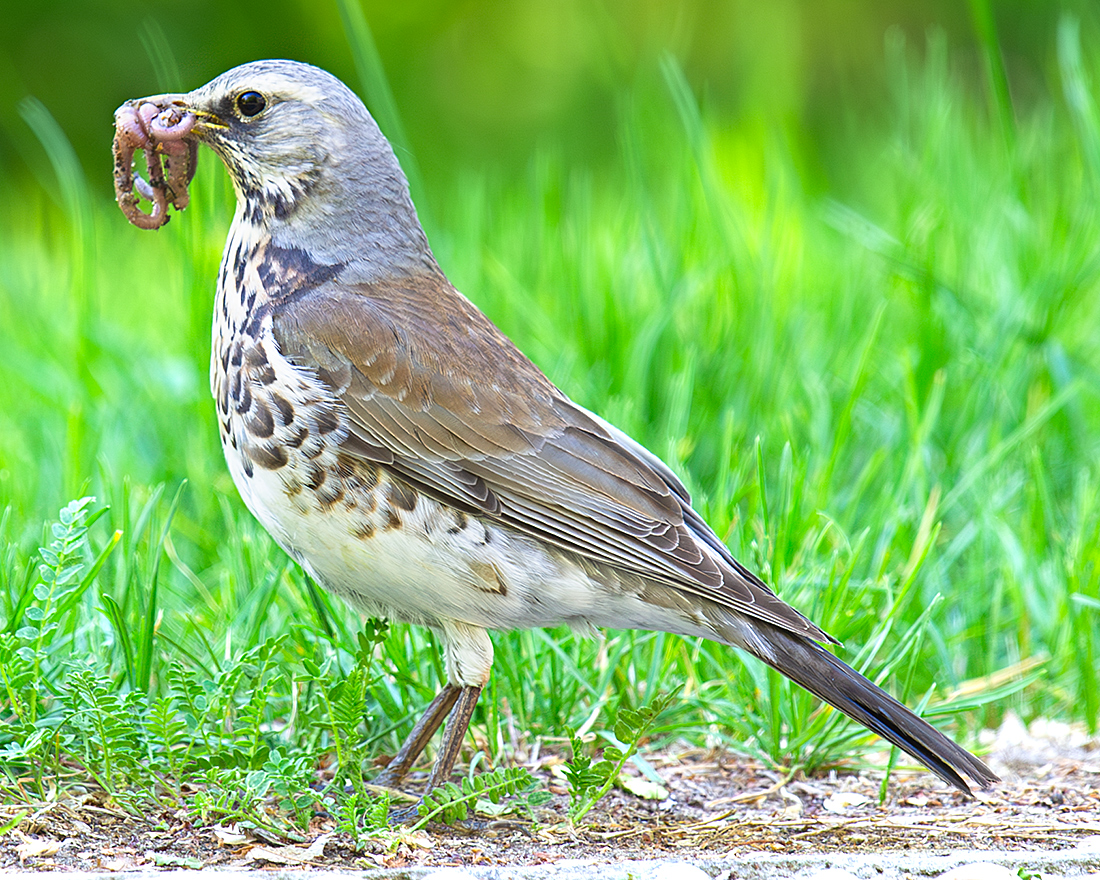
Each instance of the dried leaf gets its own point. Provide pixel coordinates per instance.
(231, 835)
(168, 860)
(843, 801)
(290, 855)
(643, 788)
(31, 848)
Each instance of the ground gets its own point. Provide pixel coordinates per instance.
(716, 804)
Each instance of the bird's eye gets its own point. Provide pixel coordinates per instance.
(251, 103)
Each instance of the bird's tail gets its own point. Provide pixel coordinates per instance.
(808, 664)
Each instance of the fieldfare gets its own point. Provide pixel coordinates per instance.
(401, 449)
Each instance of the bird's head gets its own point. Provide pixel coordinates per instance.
(279, 125)
(304, 156)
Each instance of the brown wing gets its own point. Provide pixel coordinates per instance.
(437, 393)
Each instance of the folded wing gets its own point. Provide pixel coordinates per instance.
(437, 393)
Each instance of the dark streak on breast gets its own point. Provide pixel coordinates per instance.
(260, 423)
(255, 357)
(266, 375)
(295, 440)
(268, 457)
(245, 403)
(286, 272)
(238, 271)
(330, 494)
(315, 476)
(401, 495)
(284, 406)
(326, 421)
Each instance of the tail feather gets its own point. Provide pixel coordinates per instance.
(808, 664)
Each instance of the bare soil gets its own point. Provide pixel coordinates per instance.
(1050, 799)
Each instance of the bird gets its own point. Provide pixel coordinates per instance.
(399, 447)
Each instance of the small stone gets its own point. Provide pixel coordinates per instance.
(833, 874)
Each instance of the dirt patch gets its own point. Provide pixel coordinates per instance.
(714, 805)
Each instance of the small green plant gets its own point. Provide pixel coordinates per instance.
(224, 714)
(360, 815)
(590, 780)
(104, 729)
(344, 701)
(450, 802)
(292, 778)
(38, 640)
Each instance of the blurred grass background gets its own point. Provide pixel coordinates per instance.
(837, 262)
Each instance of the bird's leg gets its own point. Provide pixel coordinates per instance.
(414, 743)
(453, 734)
(463, 699)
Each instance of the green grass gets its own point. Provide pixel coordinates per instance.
(879, 382)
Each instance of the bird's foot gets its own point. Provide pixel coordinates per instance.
(407, 814)
(411, 815)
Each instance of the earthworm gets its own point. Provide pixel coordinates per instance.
(165, 133)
